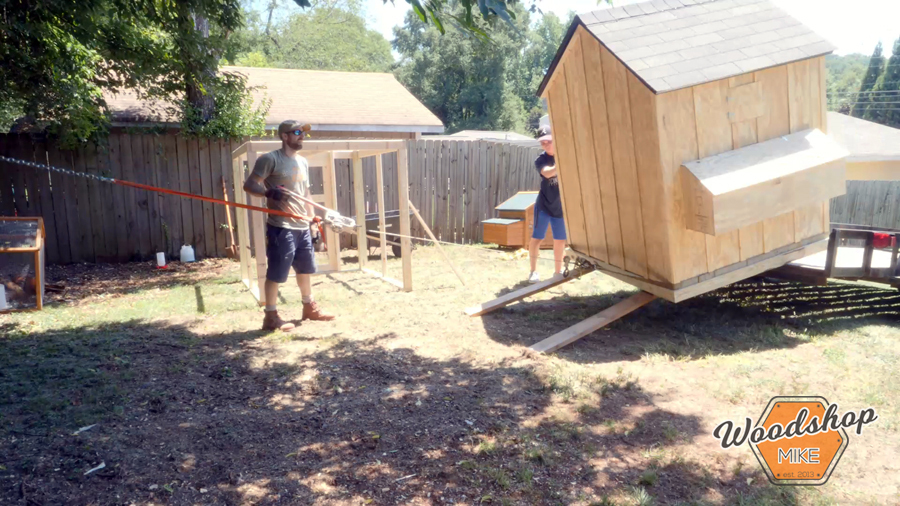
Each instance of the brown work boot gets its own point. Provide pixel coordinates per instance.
(311, 311)
(273, 322)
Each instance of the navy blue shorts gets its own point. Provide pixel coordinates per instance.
(542, 219)
(286, 248)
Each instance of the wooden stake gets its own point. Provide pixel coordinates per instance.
(436, 243)
(601, 319)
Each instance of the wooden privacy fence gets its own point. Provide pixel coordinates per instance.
(454, 183)
(868, 203)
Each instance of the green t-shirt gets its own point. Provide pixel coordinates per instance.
(278, 169)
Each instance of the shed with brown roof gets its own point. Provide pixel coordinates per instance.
(689, 140)
(336, 104)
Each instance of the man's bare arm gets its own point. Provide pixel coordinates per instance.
(255, 186)
(549, 171)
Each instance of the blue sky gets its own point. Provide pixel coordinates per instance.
(853, 26)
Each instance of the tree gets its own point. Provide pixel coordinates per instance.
(331, 35)
(467, 83)
(876, 67)
(844, 77)
(884, 104)
(59, 57)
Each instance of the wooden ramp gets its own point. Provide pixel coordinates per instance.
(601, 319)
(525, 292)
(575, 332)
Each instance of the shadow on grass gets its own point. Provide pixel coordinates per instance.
(751, 315)
(183, 418)
(85, 281)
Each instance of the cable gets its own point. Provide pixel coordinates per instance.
(458, 244)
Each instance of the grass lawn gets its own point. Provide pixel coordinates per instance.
(405, 400)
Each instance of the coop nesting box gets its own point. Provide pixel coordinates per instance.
(516, 222)
(690, 141)
(21, 263)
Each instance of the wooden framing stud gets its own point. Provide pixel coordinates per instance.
(405, 230)
(379, 187)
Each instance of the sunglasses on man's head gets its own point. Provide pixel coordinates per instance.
(297, 132)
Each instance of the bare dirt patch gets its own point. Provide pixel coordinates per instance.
(404, 400)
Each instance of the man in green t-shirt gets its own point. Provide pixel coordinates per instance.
(288, 240)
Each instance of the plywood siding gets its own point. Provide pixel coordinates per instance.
(566, 161)
(714, 136)
(675, 118)
(806, 96)
(583, 133)
(778, 231)
(621, 136)
(599, 141)
(593, 69)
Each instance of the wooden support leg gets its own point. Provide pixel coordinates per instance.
(332, 238)
(436, 243)
(359, 189)
(379, 187)
(601, 319)
(522, 293)
(403, 194)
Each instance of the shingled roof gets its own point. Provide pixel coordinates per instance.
(328, 100)
(673, 44)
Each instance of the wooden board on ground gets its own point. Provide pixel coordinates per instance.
(523, 293)
(593, 323)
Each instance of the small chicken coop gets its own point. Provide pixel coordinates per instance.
(513, 228)
(21, 263)
(691, 147)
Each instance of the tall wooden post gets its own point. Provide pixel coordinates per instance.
(403, 194)
(359, 189)
(259, 233)
(333, 239)
(379, 177)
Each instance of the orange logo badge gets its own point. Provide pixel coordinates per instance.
(797, 440)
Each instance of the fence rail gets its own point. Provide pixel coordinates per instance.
(454, 183)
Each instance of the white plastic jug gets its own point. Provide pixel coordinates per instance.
(3, 298)
(187, 253)
(160, 259)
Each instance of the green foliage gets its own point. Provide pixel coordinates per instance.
(473, 84)
(884, 101)
(59, 58)
(844, 77)
(236, 113)
(332, 35)
(876, 67)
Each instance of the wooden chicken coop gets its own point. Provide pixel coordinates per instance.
(691, 147)
(515, 224)
(22, 258)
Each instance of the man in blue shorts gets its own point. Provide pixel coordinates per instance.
(548, 208)
(288, 240)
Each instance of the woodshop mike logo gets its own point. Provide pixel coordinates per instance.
(797, 440)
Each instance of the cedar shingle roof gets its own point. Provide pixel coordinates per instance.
(333, 100)
(673, 44)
